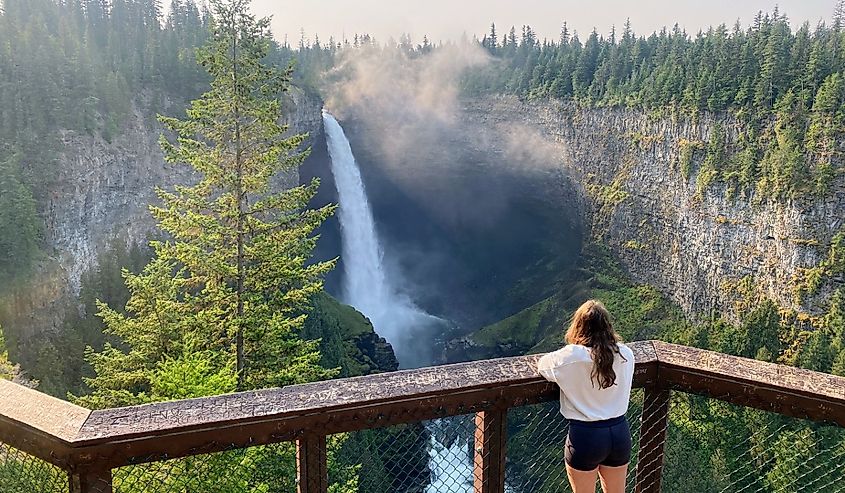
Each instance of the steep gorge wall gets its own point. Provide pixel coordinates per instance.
(100, 197)
(694, 248)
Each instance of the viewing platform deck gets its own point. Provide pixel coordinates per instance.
(702, 421)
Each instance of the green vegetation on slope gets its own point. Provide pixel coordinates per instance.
(832, 265)
(763, 330)
(640, 311)
(17, 214)
(347, 339)
(57, 360)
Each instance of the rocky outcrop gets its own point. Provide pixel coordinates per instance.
(694, 247)
(347, 339)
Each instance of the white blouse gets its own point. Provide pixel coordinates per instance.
(580, 397)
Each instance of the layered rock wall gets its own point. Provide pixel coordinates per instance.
(100, 196)
(693, 247)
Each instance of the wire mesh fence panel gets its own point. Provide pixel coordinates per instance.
(535, 450)
(712, 445)
(262, 469)
(24, 473)
(427, 457)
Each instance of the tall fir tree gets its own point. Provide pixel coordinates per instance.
(226, 296)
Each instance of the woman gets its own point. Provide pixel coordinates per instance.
(594, 373)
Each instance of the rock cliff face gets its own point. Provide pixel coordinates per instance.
(616, 167)
(693, 247)
(101, 196)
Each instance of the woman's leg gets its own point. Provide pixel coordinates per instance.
(613, 478)
(581, 481)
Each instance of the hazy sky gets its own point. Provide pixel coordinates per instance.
(448, 19)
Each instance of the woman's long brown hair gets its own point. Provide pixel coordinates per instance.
(591, 326)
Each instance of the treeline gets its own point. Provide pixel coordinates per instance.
(77, 65)
(718, 69)
(784, 87)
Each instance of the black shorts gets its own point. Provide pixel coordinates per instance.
(590, 444)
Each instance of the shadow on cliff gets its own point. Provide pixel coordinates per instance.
(462, 230)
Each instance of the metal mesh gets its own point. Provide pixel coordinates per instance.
(23, 473)
(264, 469)
(432, 456)
(708, 446)
(715, 446)
(537, 435)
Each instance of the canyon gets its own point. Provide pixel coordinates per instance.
(469, 206)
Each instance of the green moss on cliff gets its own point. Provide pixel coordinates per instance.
(523, 330)
(639, 311)
(686, 152)
(832, 266)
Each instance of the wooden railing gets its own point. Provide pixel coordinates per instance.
(88, 445)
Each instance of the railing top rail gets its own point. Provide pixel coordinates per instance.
(782, 389)
(40, 412)
(66, 434)
(320, 397)
(787, 379)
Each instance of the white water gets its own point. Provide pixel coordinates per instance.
(451, 465)
(366, 284)
(368, 288)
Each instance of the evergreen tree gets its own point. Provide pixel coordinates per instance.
(826, 131)
(839, 15)
(585, 69)
(8, 371)
(18, 221)
(492, 40)
(512, 42)
(784, 166)
(564, 34)
(226, 295)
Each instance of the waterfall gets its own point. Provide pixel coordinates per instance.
(366, 284)
(368, 288)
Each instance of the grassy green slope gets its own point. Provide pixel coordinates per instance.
(639, 312)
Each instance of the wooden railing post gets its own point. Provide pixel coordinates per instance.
(90, 481)
(490, 445)
(655, 419)
(311, 469)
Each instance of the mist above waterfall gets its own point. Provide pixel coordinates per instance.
(408, 110)
(409, 93)
(411, 102)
